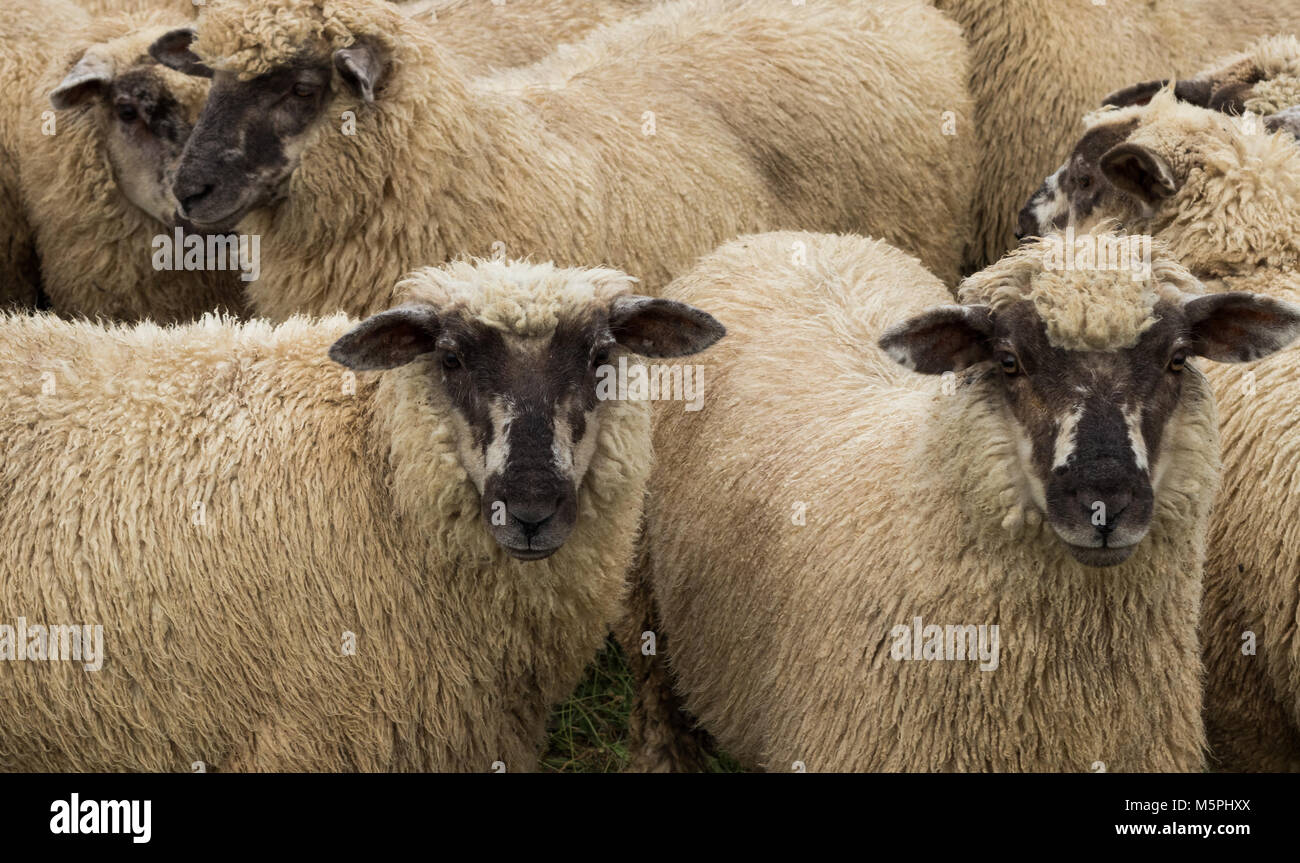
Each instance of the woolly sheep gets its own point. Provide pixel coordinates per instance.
(1225, 199)
(236, 510)
(1036, 68)
(691, 124)
(24, 49)
(97, 191)
(858, 497)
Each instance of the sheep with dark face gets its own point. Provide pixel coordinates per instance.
(467, 516)
(834, 116)
(1075, 432)
(1224, 194)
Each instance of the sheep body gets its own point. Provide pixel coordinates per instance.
(1036, 68)
(857, 496)
(693, 123)
(229, 508)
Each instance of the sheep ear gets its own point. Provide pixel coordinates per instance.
(661, 328)
(389, 339)
(1239, 327)
(88, 78)
(1139, 171)
(1194, 91)
(946, 339)
(1137, 94)
(361, 67)
(1287, 120)
(172, 49)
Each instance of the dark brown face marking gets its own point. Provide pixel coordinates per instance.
(139, 98)
(1079, 189)
(247, 142)
(1094, 421)
(525, 408)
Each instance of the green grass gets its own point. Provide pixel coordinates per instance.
(588, 732)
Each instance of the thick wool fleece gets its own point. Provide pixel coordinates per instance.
(1037, 66)
(96, 248)
(229, 508)
(502, 35)
(1235, 221)
(689, 125)
(857, 496)
(25, 47)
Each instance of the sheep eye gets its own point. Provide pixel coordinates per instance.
(1178, 361)
(601, 357)
(1085, 182)
(127, 113)
(1010, 365)
(304, 91)
(450, 361)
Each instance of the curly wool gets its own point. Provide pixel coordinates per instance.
(911, 506)
(95, 247)
(232, 507)
(764, 114)
(1082, 312)
(1037, 67)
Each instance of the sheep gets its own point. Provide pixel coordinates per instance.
(95, 179)
(24, 49)
(858, 497)
(285, 553)
(690, 124)
(1036, 68)
(1224, 197)
(505, 35)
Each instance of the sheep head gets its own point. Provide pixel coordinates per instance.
(146, 112)
(268, 104)
(1088, 366)
(513, 352)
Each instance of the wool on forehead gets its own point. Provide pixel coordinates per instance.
(515, 297)
(252, 37)
(1085, 307)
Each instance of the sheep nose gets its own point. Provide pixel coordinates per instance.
(192, 195)
(1108, 504)
(531, 513)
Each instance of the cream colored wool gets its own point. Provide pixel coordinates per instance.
(25, 47)
(765, 114)
(502, 35)
(101, 8)
(1038, 65)
(1235, 221)
(323, 513)
(96, 248)
(779, 631)
(1273, 63)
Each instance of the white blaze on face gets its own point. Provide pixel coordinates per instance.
(1050, 204)
(572, 458)
(478, 462)
(1133, 422)
(1067, 436)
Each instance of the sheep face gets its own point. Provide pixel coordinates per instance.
(145, 114)
(1079, 188)
(524, 407)
(251, 134)
(1089, 423)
